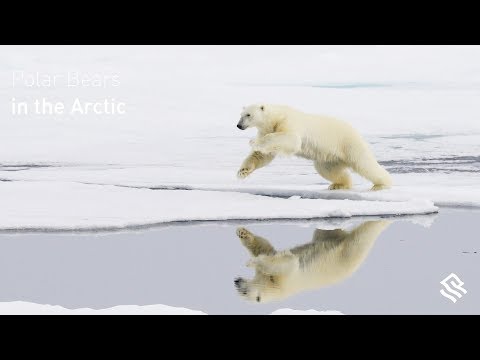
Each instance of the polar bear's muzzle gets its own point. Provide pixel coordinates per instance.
(241, 286)
(241, 125)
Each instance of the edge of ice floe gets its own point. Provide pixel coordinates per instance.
(80, 207)
(335, 215)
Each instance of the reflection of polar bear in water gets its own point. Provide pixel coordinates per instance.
(330, 257)
(332, 144)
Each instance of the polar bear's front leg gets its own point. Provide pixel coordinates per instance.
(256, 245)
(281, 263)
(278, 143)
(254, 161)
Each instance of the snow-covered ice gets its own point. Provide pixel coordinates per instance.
(67, 206)
(416, 105)
(28, 308)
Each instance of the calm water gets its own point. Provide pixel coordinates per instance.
(372, 267)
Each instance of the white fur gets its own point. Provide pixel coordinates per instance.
(333, 145)
(331, 257)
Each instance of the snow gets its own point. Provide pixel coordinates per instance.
(68, 206)
(455, 189)
(28, 308)
(416, 105)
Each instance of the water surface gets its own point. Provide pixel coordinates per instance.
(397, 267)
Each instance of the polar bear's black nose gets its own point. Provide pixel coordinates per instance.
(238, 283)
(239, 126)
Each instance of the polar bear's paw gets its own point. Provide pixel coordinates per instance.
(244, 234)
(244, 172)
(339, 187)
(378, 187)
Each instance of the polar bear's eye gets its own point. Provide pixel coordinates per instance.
(248, 115)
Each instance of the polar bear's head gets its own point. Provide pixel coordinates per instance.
(262, 288)
(252, 116)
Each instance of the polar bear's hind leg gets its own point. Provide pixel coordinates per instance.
(336, 172)
(370, 169)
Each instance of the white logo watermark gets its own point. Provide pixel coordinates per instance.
(454, 281)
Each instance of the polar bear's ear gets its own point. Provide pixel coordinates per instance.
(262, 107)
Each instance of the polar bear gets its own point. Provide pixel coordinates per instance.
(333, 145)
(331, 257)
